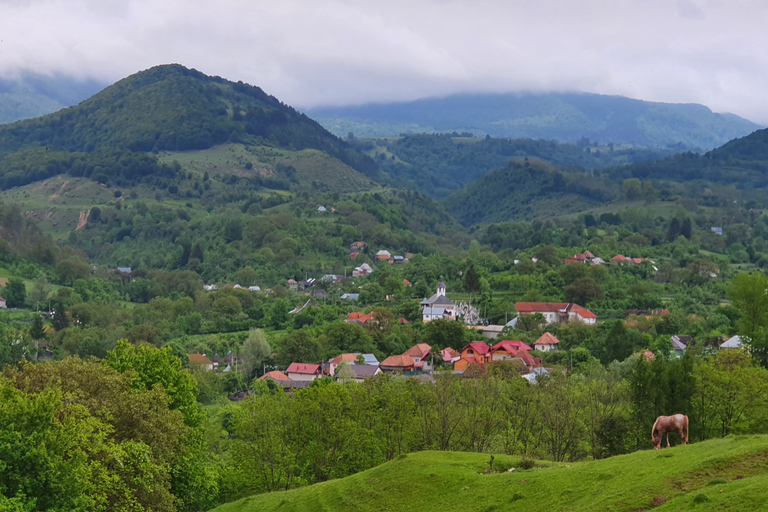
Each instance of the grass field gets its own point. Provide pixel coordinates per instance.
(726, 474)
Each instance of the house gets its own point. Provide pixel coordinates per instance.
(403, 321)
(200, 362)
(406, 282)
(598, 261)
(293, 284)
(304, 371)
(438, 306)
(734, 342)
(450, 356)
(419, 353)
(398, 259)
(546, 342)
(332, 278)
(309, 283)
(275, 375)
(342, 358)
(370, 360)
(357, 246)
(3, 304)
(364, 371)
(507, 349)
(717, 231)
(124, 270)
(322, 209)
(362, 270)
(216, 360)
(619, 258)
(353, 255)
(357, 317)
(383, 255)
(350, 296)
(319, 293)
(557, 312)
(535, 373)
(492, 331)
(475, 352)
(402, 363)
(299, 309)
(678, 346)
(210, 287)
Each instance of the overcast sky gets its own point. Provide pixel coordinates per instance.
(315, 52)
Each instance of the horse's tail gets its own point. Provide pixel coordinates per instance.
(685, 429)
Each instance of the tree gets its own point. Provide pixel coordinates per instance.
(632, 188)
(582, 291)
(40, 290)
(15, 292)
(299, 346)
(254, 352)
(37, 329)
(749, 294)
(471, 281)
(530, 322)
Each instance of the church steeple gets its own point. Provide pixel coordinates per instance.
(441, 288)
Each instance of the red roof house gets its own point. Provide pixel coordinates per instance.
(557, 312)
(274, 375)
(475, 352)
(546, 342)
(402, 363)
(200, 361)
(304, 371)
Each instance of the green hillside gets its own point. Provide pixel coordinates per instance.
(565, 117)
(526, 190)
(165, 108)
(723, 474)
(439, 164)
(742, 162)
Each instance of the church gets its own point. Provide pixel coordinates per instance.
(438, 306)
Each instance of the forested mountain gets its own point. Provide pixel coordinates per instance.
(565, 117)
(32, 95)
(441, 163)
(164, 108)
(527, 190)
(742, 162)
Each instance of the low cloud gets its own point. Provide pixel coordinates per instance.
(341, 52)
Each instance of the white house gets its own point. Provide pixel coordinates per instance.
(438, 306)
(303, 371)
(546, 342)
(734, 342)
(557, 312)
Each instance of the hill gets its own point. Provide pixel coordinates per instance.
(526, 190)
(32, 95)
(565, 117)
(723, 474)
(742, 162)
(165, 108)
(438, 164)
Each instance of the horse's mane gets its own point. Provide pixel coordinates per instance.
(653, 429)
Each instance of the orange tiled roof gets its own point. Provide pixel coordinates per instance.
(402, 361)
(303, 368)
(198, 359)
(547, 339)
(419, 350)
(274, 375)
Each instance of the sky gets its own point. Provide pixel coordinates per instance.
(322, 52)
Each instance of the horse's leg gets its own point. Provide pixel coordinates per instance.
(668, 445)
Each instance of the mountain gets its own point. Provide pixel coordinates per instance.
(741, 162)
(439, 164)
(33, 95)
(525, 191)
(165, 108)
(722, 474)
(564, 117)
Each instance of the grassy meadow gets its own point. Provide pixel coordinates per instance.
(722, 474)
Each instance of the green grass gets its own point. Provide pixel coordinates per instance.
(723, 474)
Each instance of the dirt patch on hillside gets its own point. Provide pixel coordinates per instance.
(61, 190)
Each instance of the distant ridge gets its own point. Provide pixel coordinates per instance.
(564, 117)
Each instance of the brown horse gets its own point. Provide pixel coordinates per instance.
(666, 424)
